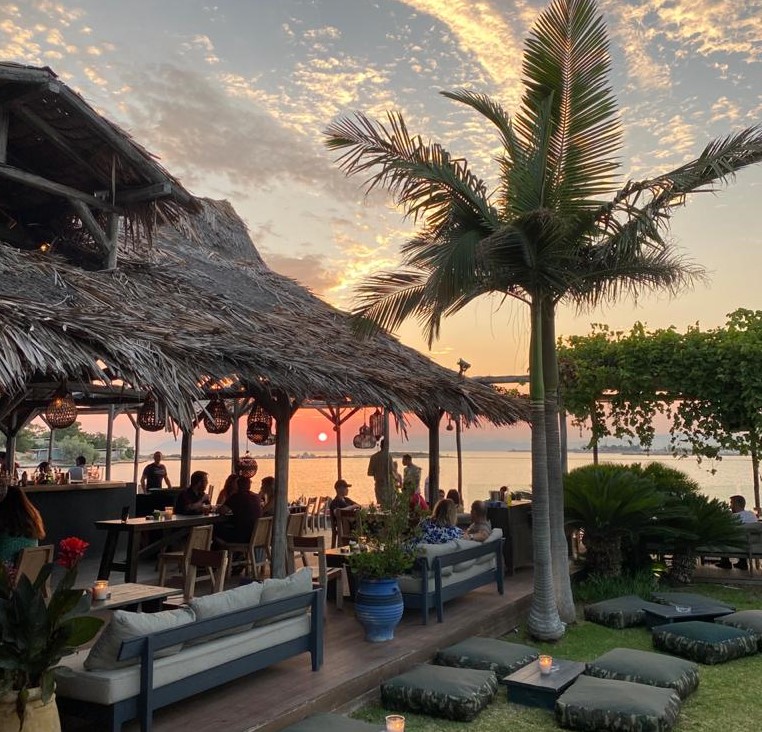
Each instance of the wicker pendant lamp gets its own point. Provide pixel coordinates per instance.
(152, 415)
(217, 419)
(376, 423)
(62, 410)
(247, 466)
(259, 425)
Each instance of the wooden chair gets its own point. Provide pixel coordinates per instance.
(311, 513)
(345, 523)
(316, 545)
(31, 560)
(321, 513)
(200, 537)
(296, 523)
(260, 539)
(216, 565)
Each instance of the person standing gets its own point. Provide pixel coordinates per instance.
(154, 474)
(411, 477)
(380, 467)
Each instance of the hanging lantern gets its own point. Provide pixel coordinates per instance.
(247, 466)
(449, 427)
(152, 415)
(259, 425)
(216, 417)
(364, 439)
(376, 423)
(62, 410)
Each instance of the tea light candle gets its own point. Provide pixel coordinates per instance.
(395, 723)
(546, 664)
(100, 590)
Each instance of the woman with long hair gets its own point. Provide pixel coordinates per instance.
(229, 489)
(441, 527)
(21, 525)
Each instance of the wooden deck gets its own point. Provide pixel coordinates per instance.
(271, 699)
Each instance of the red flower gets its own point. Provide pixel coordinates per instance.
(70, 551)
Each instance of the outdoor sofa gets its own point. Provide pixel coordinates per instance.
(213, 640)
(445, 571)
(749, 548)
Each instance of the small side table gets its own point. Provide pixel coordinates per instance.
(667, 614)
(529, 687)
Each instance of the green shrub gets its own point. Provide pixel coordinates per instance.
(594, 587)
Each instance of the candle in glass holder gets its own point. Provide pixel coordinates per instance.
(395, 723)
(546, 664)
(100, 590)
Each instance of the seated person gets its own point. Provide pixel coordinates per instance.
(480, 527)
(78, 474)
(193, 501)
(228, 489)
(454, 496)
(441, 526)
(341, 499)
(267, 495)
(243, 509)
(738, 507)
(21, 525)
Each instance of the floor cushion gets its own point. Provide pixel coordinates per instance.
(606, 704)
(332, 723)
(688, 599)
(487, 654)
(750, 620)
(707, 643)
(440, 691)
(618, 612)
(643, 667)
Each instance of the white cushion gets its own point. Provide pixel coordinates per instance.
(412, 585)
(219, 603)
(111, 686)
(125, 625)
(298, 583)
(432, 551)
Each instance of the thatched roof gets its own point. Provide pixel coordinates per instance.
(203, 307)
(60, 150)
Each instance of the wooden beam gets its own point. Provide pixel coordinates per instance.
(25, 74)
(55, 137)
(113, 240)
(89, 222)
(48, 186)
(109, 440)
(127, 196)
(4, 124)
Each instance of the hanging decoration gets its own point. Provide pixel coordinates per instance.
(450, 426)
(376, 423)
(62, 410)
(364, 439)
(259, 425)
(217, 419)
(152, 415)
(247, 466)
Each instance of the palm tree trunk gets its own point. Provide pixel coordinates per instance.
(683, 567)
(559, 548)
(544, 622)
(604, 555)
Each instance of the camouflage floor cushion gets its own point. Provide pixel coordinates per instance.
(332, 723)
(708, 643)
(750, 620)
(618, 612)
(688, 599)
(643, 667)
(605, 704)
(487, 654)
(440, 691)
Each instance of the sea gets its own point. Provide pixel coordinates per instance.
(313, 474)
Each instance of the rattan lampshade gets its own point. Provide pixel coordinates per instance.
(62, 410)
(152, 415)
(247, 466)
(376, 423)
(217, 418)
(259, 425)
(364, 439)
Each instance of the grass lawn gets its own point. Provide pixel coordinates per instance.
(725, 699)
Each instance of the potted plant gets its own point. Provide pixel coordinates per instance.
(36, 634)
(384, 551)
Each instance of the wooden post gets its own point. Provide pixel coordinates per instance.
(135, 464)
(282, 413)
(235, 450)
(432, 420)
(4, 124)
(459, 454)
(109, 438)
(50, 444)
(112, 235)
(185, 458)
(337, 430)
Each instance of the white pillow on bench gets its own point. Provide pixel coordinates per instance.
(298, 583)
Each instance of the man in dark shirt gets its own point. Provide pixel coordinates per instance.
(342, 499)
(193, 501)
(245, 509)
(153, 475)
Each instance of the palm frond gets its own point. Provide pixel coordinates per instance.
(566, 60)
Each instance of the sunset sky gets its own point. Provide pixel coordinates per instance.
(233, 97)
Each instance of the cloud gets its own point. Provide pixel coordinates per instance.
(312, 270)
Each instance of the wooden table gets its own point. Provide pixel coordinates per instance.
(148, 598)
(172, 529)
(529, 687)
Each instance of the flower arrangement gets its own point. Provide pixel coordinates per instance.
(37, 634)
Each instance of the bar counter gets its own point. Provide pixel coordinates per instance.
(73, 509)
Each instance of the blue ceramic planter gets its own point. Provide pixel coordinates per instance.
(378, 607)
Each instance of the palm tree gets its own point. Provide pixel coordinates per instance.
(546, 235)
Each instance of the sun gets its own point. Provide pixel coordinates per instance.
(322, 437)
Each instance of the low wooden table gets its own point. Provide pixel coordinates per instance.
(172, 530)
(148, 598)
(667, 614)
(529, 687)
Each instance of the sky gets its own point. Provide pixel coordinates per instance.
(234, 97)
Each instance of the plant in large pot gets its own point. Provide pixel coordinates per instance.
(384, 551)
(36, 634)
